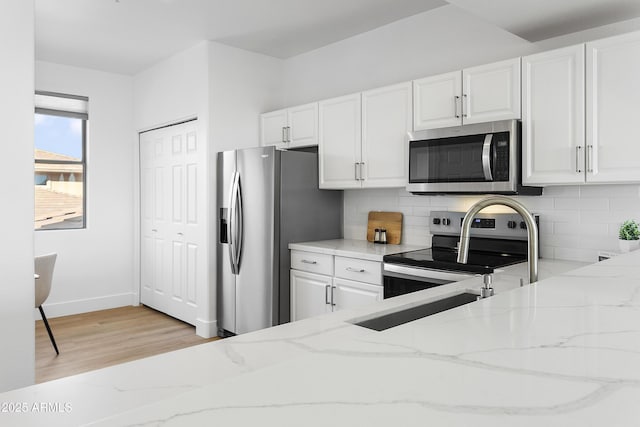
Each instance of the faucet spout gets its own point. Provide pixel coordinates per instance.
(532, 230)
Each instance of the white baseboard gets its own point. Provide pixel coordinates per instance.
(206, 328)
(67, 308)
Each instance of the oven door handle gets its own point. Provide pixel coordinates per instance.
(423, 273)
(486, 157)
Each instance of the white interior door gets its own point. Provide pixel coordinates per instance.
(173, 223)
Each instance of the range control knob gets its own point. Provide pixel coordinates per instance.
(436, 221)
(523, 225)
(512, 224)
(446, 221)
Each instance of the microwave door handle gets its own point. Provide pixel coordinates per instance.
(486, 157)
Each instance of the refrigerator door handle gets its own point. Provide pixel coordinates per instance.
(240, 225)
(231, 224)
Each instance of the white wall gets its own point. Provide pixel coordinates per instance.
(441, 40)
(173, 90)
(94, 269)
(242, 85)
(16, 192)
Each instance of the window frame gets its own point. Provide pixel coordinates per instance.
(83, 161)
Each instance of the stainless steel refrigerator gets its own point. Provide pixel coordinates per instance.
(266, 199)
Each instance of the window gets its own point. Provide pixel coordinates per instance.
(60, 163)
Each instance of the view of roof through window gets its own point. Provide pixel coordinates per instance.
(59, 141)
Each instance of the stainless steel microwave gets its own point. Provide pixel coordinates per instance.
(470, 159)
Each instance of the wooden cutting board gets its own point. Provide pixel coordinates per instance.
(392, 221)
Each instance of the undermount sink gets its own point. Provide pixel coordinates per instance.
(389, 320)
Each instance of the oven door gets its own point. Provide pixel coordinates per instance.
(403, 279)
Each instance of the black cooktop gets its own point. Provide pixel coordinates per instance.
(445, 259)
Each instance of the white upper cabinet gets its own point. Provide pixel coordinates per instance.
(553, 117)
(340, 141)
(613, 109)
(491, 92)
(363, 138)
(291, 127)
(474, 95)
(437, 101)
(273, 128)
(386, 121)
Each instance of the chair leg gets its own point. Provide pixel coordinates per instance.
(46, 324)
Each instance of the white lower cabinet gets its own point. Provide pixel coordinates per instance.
(313, 294)
(350, 294)
(310, 294)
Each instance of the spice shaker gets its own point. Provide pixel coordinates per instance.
(383, 235)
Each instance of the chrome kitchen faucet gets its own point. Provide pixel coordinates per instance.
(532, 230)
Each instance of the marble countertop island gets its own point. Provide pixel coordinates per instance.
(562, 352)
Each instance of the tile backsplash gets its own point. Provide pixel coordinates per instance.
(575, 221)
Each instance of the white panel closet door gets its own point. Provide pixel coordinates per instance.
(172, 220)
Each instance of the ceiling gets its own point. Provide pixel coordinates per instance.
(126, 36)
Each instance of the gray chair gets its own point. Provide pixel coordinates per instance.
(44, 269)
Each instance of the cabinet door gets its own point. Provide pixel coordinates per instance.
(340, 141)
(349, 294)
(386, 120)
(303, 125)
(613, 109)
(491, 92)
(437, 101)
(273, 128)
(553, 117)
(310, 294)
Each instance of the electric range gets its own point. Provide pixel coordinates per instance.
(497, 240)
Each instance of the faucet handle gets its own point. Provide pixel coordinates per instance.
(486, 290)
(487, 279)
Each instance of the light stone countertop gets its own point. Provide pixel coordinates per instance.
(562, 352)
(361, 249)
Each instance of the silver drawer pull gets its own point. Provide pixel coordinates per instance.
(306, 261)
(355, 270)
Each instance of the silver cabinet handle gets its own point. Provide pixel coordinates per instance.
(590, 158)
(578, 156)
(306, 261)
(456, 103)
(355, 166)
(362, 171)
(326, 294)
(355, 270)
(284, 137)
(333, 304)
(466, 102)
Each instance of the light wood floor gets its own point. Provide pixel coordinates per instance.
(104, 338)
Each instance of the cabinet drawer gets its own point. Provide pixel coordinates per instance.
(359, 270)
(312, 262)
